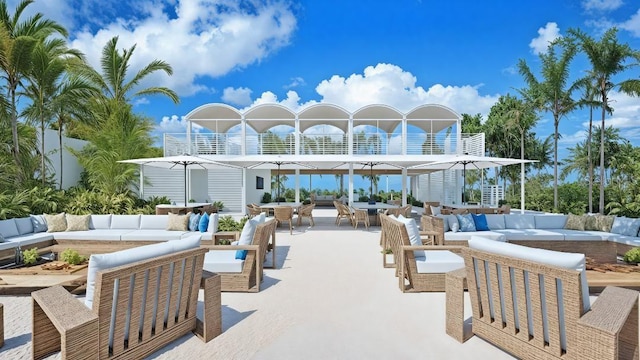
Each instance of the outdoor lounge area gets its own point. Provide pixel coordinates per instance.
(319, 299)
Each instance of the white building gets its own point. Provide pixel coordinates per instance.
(319, 139)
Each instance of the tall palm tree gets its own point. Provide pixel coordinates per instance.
(551, 93)
(522, 118)
(18, 38)
(542, 152)
(608, 58)
(46, 78)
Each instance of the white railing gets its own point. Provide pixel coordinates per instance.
(325, 144)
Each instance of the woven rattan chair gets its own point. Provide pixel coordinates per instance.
(410, 280)
(343, 213)
(519, 306)
(253, 210)
(504, 209)
(137, 292)
(284, 213)
(306, 211)
(427, 206)
(359, 215)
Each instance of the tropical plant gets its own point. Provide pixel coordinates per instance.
(552, 93)
(608, 58)
(72, 257)
(30, 256)
(632, 256)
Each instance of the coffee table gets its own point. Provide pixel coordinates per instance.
(26, 280)
(599, 280)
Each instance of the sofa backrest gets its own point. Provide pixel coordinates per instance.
(551, 221)
(8, 228)
(24, 225)
(520, 221)
(154, 222)
(100, 222)
(125, 222)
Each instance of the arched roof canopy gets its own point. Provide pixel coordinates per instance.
(215, 117)
(383, 117)
(265, 116)
(432, 118)
(324, 114)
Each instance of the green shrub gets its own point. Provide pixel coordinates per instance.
(72, 257)
(30, 256)
(632, 256)
(266, 198)
(218, 205)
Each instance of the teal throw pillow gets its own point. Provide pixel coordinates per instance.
(203, 224)
(480, 220)
(241, 254)
(466, 222)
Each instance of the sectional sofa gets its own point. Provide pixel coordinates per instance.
(602, 242)
(105, 233)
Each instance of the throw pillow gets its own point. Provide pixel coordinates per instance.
(204, 222)
(194, 220)
(178, 222)
(246, 236)
(605, 222)
(575, 222)
(1, 238)
(56, 223)
(436, 210)
(591, 222)
(77, 222)
(39, 224)
(480, 221)
(466, 222)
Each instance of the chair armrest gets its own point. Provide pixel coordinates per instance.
(610, 329)
(452, 248)
(211, 324)
(455, 283)
(231, 247)
(64, 310)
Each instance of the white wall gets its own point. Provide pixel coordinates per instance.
(71, 169)
(255, 195)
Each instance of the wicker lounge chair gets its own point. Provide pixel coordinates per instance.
(128, 319)
(407, 267)
(306, 211)
(537, 311)
(249, 277)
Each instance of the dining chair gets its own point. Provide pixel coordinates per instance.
(359, 215)
(306, 211)
(284, 213)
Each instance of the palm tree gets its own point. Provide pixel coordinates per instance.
(589, 98)
(541, 151)
(608, 58)
(17, 41)
(47, 78)
(552, 93)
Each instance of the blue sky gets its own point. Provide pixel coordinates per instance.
(403, 53)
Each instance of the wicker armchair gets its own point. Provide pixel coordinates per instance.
(359, 215)
(306, 211)
(253, 210)
(535, 310)
(343, 213)
(504, 209)
(284, 213)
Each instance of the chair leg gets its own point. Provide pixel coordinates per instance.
(311, 220)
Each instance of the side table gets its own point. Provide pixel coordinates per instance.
(227, 235)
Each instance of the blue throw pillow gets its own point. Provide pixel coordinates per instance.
(466, 222)
(241, 254)
(203, 224)
(194, 222)
(480, 220)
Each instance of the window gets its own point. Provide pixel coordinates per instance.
(259, 182)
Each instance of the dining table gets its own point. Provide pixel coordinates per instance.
(268, 207)
(373, 209)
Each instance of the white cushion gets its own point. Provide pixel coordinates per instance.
(625, 226)
(125, 222)
(214, 218)
(452, 220)
(435, 210)
(579, 235)
(531, 234)
(520, 221)
(98, 262)
(100, 221)
(29, 239)
(39, 223)
(24, 225)
(154, 235)
(457, 236)
(551, 221)
(249, 229)
(495, 221)
(222, 261)
(438, 261)
(153, 222)
(8, 228)
(99, 234)
(413, 232)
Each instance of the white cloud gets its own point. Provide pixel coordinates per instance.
(203, 38)
(295, 82)
(172, 124)
(240, 96)
(602, 5)
(633, 24)
(546, 35)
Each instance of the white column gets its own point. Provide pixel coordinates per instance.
(297, 185)
(350, 184)
(404, 186)
(522, 188)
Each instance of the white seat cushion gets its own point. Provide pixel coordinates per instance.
(580, 235)
(222, 261)
(99, 234)
(457, 236)
(531, 234)
(28, 239)
(438, 261)
(154, 235)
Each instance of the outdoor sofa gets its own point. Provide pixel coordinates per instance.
(609, 237)
(102, 233)
(322, 200)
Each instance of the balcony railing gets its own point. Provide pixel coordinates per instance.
(325, 144)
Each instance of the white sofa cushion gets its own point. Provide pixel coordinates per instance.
(625, 226)
(438, 261)
(8, 228)
(579, 235)
(98, 234)
(531, 234)
(520, 221)
(246, 236)
(550, 221)
(222, 261)
(214, 218)
(495, 221)
(100, 221)
(24, 225)
(153, 222)
(154, 235)
(125, 222)
(29, 239)
(98, 262)
(457, 236)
